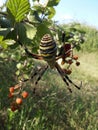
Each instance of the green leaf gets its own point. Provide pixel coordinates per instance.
(78, 47)
(6, 43)
(18, 9)
(25, 76)
(35, 0)
(2, 44)
(51, 12)
(30, 31)
(1, 38)
(53, 2)
(5, 31)
(19, 66)
(34, 17)
(25, 32)
(42, 29)
(9, 42)
(20, 30)
(4, 23)
(17, 72)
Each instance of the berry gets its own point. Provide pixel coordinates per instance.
(69, 72)
(70, 61)
(10, 95)
(13, 108)
(19, 101)
(25, 94)
(75, 57)
(77, 63)
(63, 62)
(11, 89)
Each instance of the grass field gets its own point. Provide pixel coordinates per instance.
(53, 107)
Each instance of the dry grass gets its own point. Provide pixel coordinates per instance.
(89, 64)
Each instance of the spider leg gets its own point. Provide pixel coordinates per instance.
(65, 78)
(36, 72)
(43, 70)
(62, 75)
(32, 55)
(32, 76)
(70, 81)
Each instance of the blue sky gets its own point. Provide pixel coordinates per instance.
(84, 11)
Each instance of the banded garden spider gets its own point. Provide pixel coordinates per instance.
(48, 53)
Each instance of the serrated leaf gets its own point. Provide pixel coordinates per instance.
(18, 8)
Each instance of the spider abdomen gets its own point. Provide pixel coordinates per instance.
(48, 49)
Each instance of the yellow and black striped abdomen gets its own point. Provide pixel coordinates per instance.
(48, 49)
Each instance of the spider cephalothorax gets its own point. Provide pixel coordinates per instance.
(48, 53)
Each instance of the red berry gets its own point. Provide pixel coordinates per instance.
(10, 95)
(25, 94)
(70, 61)
(18, 101)
(75, 57)
(11, 89)
(13, 108)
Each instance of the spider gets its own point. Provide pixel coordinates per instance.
(48, 53)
